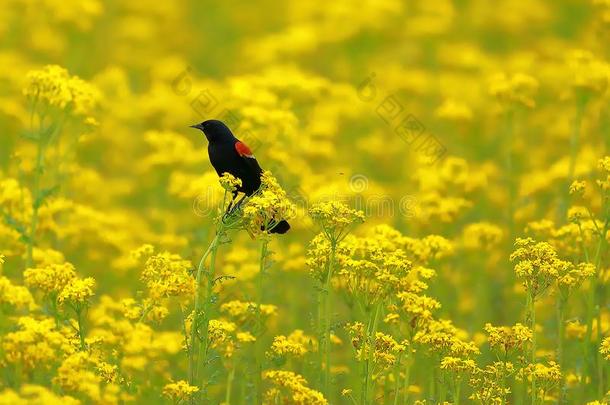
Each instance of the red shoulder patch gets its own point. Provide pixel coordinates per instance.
(243, 150)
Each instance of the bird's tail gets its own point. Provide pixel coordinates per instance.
(282, 227)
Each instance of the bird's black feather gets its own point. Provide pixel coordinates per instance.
(225, 158)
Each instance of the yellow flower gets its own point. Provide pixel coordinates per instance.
(81, 374)
(267, 207)
(518, 89)
(15, 295)
(54, 86)
(546, 376)
(604, 348)
(219, 330)
(454, 110)
(296, 344)
(179, 391)
(51, 278)
(575, 330)
(577, 187)
(604, 167)
(508, 338)
(230, 182)
(36, 343)
(486, 383)
(384, 348)
(335, 219)
(168, 275)
(283, 346)
(30, 394)
(587, 72)
(457, 364)
(440, 336)
(242, 311)
(482, 235)
(577, 213)
(144, 251)
(295, 388)
(537, 265)
(245, 337)
(78, 291)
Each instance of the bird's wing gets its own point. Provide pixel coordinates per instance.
(246, 153)
(243, 150)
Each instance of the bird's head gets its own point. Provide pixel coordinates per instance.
(215, 131)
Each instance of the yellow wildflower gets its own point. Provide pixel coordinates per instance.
(51, 278)
(179, 391)
(295, 388)
(78, 291)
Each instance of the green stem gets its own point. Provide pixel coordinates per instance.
(35, 203)
(371, 330)
(81, 329)
(561, 302)
(397, 380)
(230, 379)
(441, 386)
(531, 303)
(407, 376)
(327, 317)
(592, 309)
(457, 391)
(259, 321)
(201, 314)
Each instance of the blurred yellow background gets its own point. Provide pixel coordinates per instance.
(455, 126)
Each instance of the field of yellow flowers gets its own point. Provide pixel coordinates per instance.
(445, 166)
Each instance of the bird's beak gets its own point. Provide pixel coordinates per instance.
(196, 126)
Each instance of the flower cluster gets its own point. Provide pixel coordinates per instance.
(537, 265)
(291, 388)
(168, 275)
(517, 89)
(268, 206)
(508, 339)
(54, 86)
(179, 391)
(335, 219)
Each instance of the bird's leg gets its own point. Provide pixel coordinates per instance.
(238, 203)
(232, 202)
(230, 207)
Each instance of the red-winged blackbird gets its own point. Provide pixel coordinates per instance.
(229, 155)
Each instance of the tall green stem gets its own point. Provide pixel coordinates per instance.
(35, 202)
(531, 303)
(407, 376)
(397, 381)
(259, 320)
(229, 388)
(201, 315)
(327, 316)
(371, 331)
(457, 390)
(592, 308)
(81, 328)
(561, 303)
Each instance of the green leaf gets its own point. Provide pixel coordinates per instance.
(44, 194)
(31, 135)
(17, 226)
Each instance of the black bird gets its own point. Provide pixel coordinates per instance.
(229, 155)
